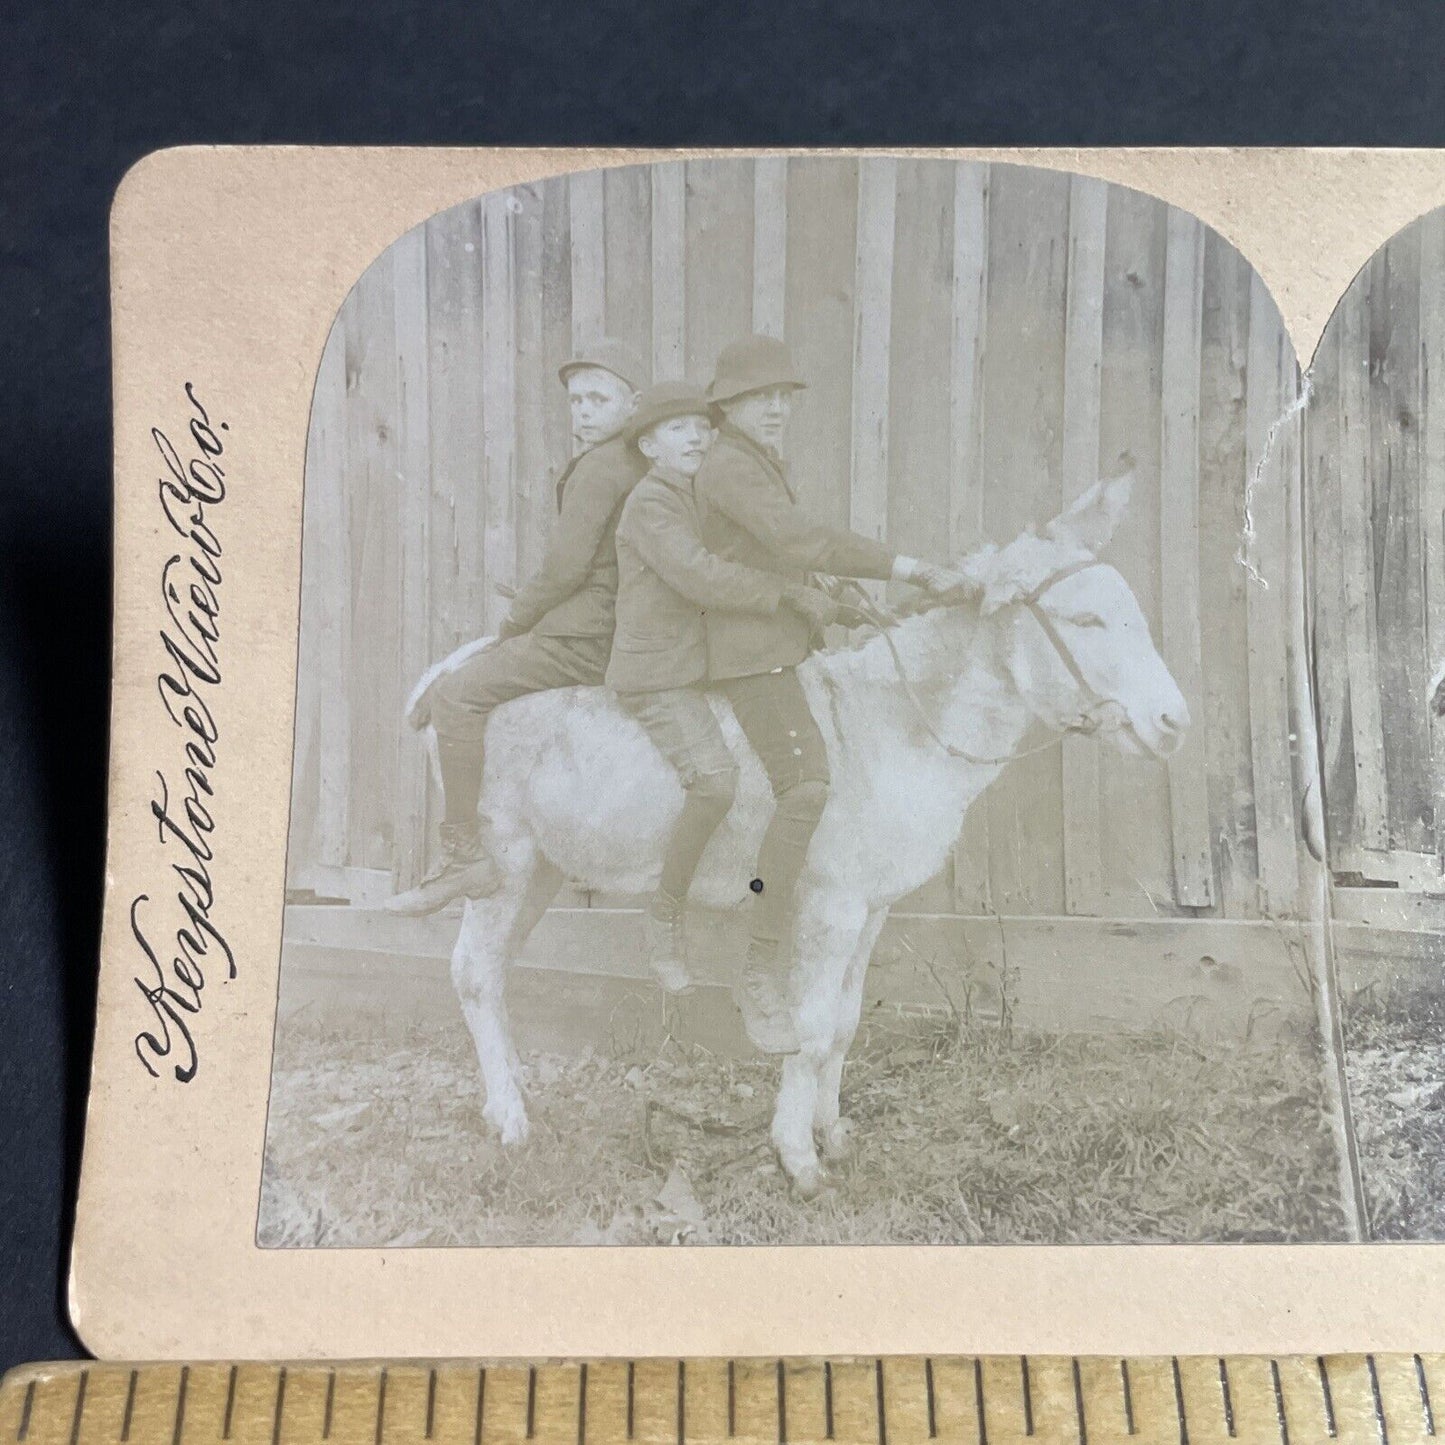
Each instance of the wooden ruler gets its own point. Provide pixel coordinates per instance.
(992, 1400)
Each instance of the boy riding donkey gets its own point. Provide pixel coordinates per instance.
(558, 632)
(750, 516)
(668, 585)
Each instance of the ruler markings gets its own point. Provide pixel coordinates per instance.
(279, 1406)
(1279, 1402)
(1327, 1397)
(181, 1404)
(1398, 1385)
(79, 1407)
(181, 1393)
(129, 1405)
(1202, 1390)
(1226, 1396)
(1360, 1399)
(1378, 1403)
(1356, 1406)
(1179, 1400)
(1425, 1395)
(24, 1430)
(1100, 1391)
(1251, 1398)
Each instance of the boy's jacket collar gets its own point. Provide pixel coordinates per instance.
(672, 478)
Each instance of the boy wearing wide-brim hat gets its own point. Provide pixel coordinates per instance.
(750, 516)
(558, 632)
(667, 584)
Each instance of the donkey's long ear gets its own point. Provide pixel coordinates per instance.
(1093, 519)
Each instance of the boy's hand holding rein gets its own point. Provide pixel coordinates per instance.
(817, 606)
(935, 579)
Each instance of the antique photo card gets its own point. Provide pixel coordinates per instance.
(687, 723)
(968, 349)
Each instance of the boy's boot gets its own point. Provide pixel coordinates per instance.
(466, 870)
(664, 933)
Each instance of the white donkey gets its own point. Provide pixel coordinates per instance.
(918, 722)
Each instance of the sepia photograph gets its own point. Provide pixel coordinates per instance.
(862, 701)
(1375, 476)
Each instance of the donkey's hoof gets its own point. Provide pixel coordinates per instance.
(510, 1123)
(673, 976)
(810, 1183)
(838, 1140)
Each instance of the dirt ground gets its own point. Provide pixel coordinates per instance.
(961, 1136)
(1395, 1063)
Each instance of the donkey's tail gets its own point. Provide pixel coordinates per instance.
(419, 703)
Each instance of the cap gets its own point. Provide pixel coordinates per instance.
(663, 402)
(610, 355)
(755, 363)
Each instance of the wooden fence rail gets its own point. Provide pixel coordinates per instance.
(979, 341)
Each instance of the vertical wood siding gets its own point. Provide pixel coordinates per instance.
(1375, 497)
(980, 342)
(1083, 367)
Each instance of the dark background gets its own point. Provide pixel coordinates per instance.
(86, 89)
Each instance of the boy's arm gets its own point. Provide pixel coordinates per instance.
(668, 544)
(785, 528)
(590, 499)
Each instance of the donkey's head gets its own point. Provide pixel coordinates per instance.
(1072, 635)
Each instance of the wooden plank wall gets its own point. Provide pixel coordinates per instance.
(980, 343)
(1375, 492)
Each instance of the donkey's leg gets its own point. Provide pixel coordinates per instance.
(492, 931)
(835, 1130)
(828, 930)
(541, 889)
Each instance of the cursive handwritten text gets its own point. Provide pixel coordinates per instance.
(190, 489)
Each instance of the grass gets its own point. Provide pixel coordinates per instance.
(1395, 1062)
(963, 1135)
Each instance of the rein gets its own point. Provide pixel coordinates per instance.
(1033, 601)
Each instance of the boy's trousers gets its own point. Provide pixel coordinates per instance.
(464, 699)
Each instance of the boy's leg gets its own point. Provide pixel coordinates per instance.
(773, 713)
(465, 699)
(681, 724)
(461, 707)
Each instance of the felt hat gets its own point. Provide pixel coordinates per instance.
(610, 355)
(663, 402)
(755, 363)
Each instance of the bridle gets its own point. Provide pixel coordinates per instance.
(1088, 721)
